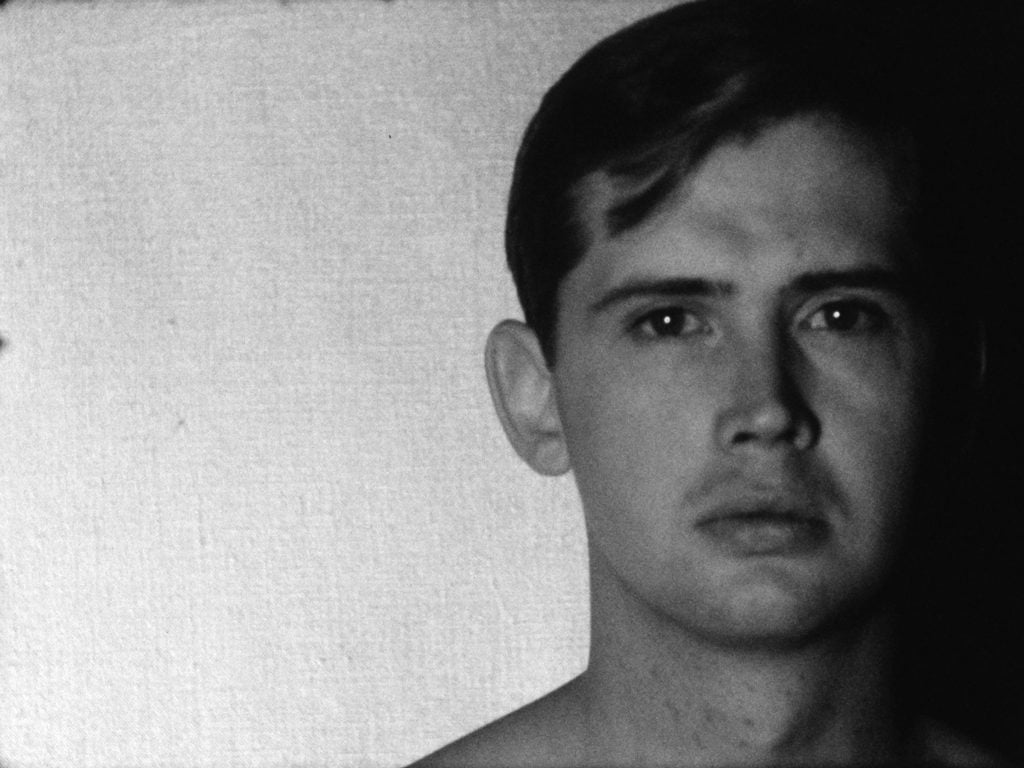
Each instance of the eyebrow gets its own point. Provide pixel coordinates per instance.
(810, 282)
(675, 286)
(876, 278)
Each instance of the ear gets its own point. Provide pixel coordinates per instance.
(524, 397)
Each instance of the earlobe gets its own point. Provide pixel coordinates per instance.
(523, 394)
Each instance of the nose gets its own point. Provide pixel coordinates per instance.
(765, 406)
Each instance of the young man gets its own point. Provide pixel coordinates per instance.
(732, 247)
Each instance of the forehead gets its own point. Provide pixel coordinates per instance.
(809, 186)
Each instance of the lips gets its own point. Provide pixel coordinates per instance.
(763, 526)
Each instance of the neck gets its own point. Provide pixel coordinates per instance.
(654, 693)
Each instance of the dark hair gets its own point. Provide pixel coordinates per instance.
(648, 103)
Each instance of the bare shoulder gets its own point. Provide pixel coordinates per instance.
(546, 732)
(946, 746)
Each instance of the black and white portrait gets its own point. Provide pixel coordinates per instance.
(509, 383)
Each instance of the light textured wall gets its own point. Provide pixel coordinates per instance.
(254, 507)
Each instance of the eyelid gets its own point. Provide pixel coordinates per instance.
(880, 312)
(642, 317)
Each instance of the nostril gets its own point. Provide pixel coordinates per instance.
(743, 437)
(766, 404)
(766, 424)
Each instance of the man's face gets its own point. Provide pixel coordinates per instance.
(741, 381)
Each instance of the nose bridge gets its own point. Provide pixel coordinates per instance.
(766, 403)
(767, 367)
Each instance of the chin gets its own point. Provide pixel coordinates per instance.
(774, 610)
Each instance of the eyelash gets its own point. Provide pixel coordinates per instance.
(647, 325)
(664, 322)
(869, 317)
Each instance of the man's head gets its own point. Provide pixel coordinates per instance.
(644, 106)
(724, 238)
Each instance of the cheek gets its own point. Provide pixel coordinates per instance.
(636, 439)
(633, 419)
(871, 435)
(878, 390)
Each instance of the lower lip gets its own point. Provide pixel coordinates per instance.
(766, 535)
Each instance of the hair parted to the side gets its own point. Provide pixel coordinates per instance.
(648, 103)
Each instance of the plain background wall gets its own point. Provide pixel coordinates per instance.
(254, 506)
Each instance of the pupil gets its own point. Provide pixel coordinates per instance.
(669, 323)
(842, 319)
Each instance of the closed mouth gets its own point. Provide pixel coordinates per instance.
(766, 527)
(763, 510)
(763, 515)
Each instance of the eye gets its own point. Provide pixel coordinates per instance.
(670, 322)
(847, 316)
